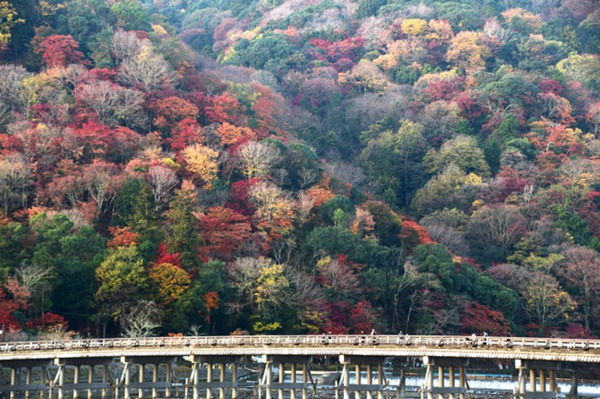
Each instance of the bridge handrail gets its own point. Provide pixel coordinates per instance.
(303, 341)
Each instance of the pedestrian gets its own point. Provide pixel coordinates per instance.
(373, 332)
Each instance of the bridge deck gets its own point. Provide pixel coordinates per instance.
(548, 349)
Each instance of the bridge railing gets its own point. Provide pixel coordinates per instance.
(303, 341)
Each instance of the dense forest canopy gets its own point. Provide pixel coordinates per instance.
(299, 166)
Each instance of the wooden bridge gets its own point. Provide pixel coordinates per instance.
(43, 367)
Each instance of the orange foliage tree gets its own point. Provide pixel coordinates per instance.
(224, 232)
(170, 281)
(231, 134)
(171, 110)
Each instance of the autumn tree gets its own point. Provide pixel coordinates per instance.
(202, 161)
(261, 286)
(273, 210)
(259, 158)
(171, 110)
(18, 301)
(185, 133)
(477, 318)
(102, 181)
(224, 232)
(162, 180)
(183, 236)
(493, 231)
(60, 51)
(230, 134)
(461, 151)
(147, 70)
(546, 303)
(141, 320)
(124, 44)
(121, 280)
(582, 274)
(15, 178)
(69, 251)
(8, 19)
(169, 281)
(113, 104)
(451, 188)
(468, 51)
(13, 94)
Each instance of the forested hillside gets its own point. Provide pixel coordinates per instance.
(299, 166)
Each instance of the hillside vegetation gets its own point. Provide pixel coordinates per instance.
(299, 166)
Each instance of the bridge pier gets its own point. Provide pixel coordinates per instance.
(368, 388)
(452, 390)
(266, 380)
(141, 385)
(222, 361)
(17, 384)
(542, 385)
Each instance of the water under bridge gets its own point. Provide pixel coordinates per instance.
(80, 367)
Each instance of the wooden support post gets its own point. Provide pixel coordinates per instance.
(127, 377)
(209, 370)
(61, 381)
(429, 382)
(552, 380)
(369, 381)
(346, 376)
(440, 380)
(168, 378)
(304, 379)
(140, 380)
(451, 380)
(154, 380)
(532, 380)
(380, 380)
(522, 383)
(574, 394)
(222, 379)
(401, 390)
(281, 379)
(44, 380)
(542, 374)
(13, 381)
(75, 381)
(269, 371)
(358, 378)
(234, 369)
(293, 380)
(90, 380)
(27, 380)
(195, 378)
(104, 380)
(462, 380)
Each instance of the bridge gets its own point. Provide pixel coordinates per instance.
(43, 367)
